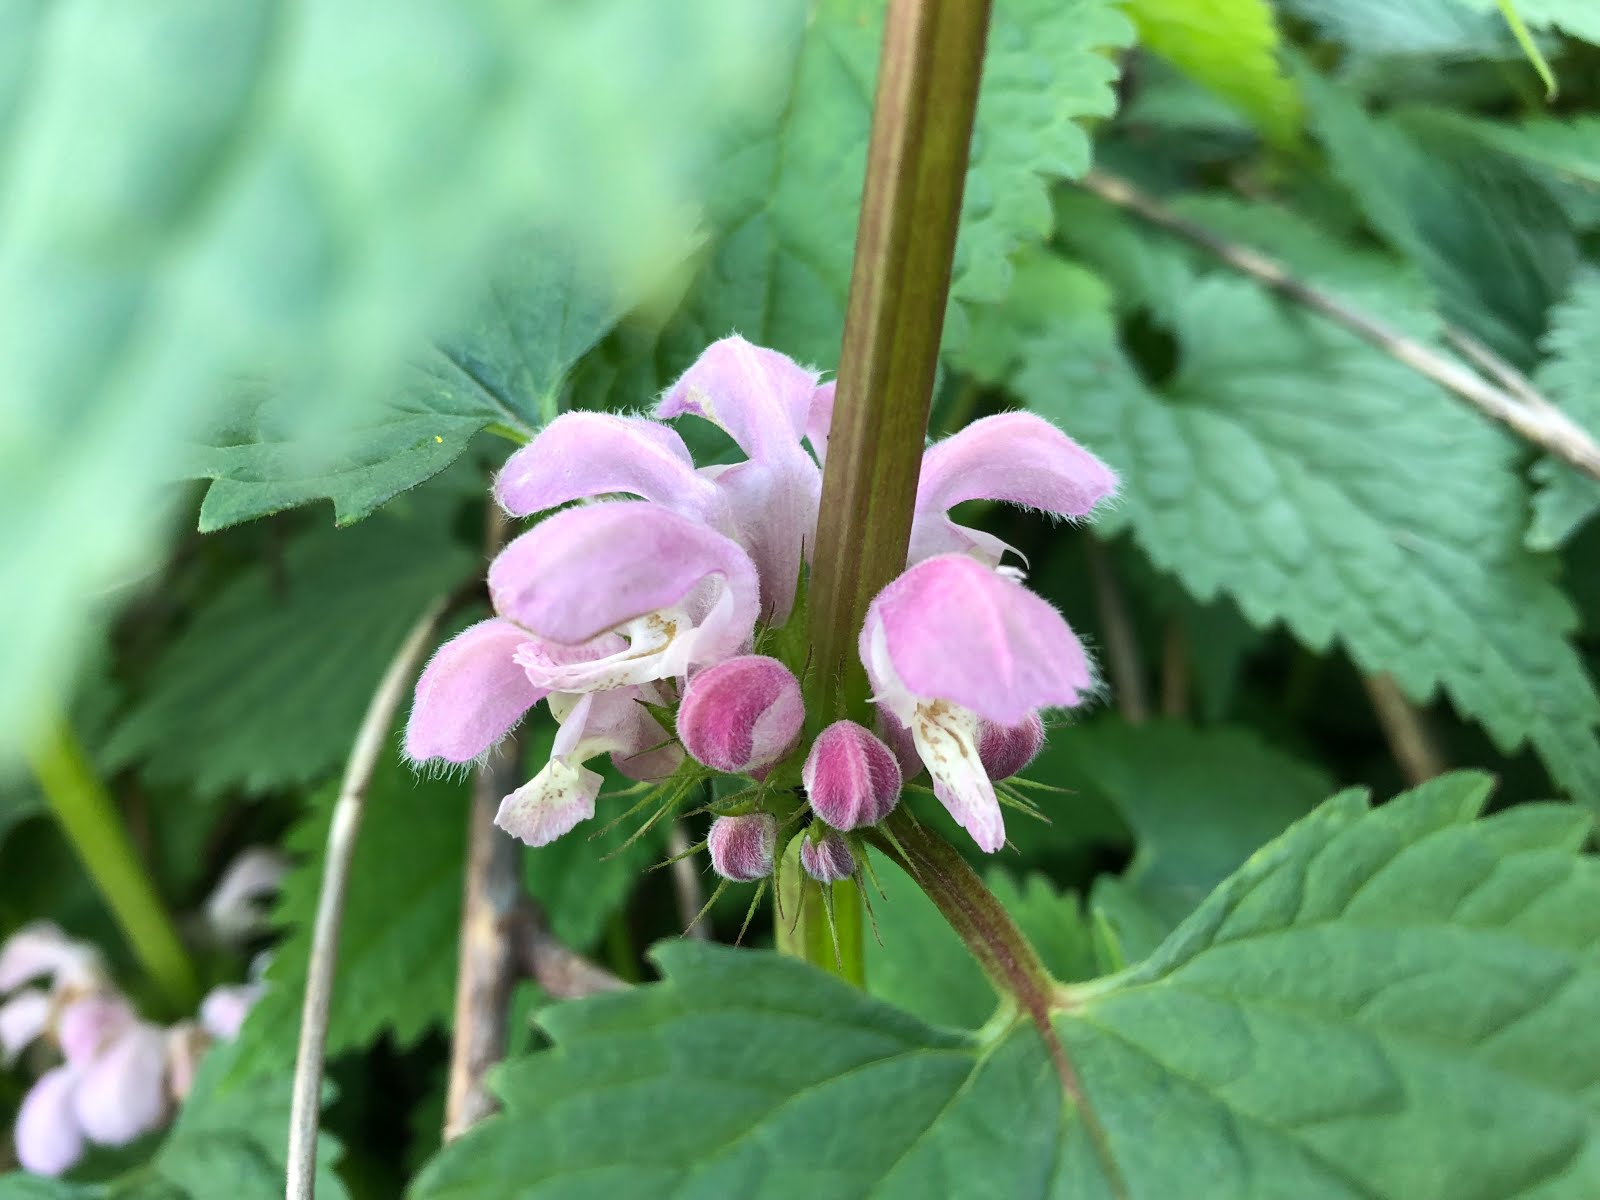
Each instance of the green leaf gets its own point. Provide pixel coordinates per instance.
(782, 221)
(266, 687)
(1380, 1003)
(508, 367)
(402, 917)
(1385, 28)
(1490, 238)
(1231, 47)
(1570, 377)
(198, 193)
(1258, 469)
(1579, 18)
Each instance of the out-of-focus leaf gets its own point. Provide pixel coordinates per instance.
(1383, 28)
(1230, 46)
(266, 687)
(1580, 18)
(1256, 469)
(397, 945)
(1379, 1003)
(1489, 236)
(195, 193)
(1571, 378)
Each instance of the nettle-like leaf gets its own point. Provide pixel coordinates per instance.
(1319, 482)
(1579, 18)
(1380, 1003)
(783, 217)
(506, 368)
(397, 944)
(1571, 378)
(266, 687)
(1489, 236)
(1230, 46)
(1386, 28)
(199, 192)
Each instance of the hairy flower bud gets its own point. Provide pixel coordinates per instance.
(851, 778)
(1006, 749)
(741, 715)
(827, 859)
(742, 848)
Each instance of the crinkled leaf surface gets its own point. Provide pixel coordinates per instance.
(1383, 28)
(1380, 1003)
(286, 656)
(1320, 483)
(1571, 378)
(783, 216)
(1230, 46)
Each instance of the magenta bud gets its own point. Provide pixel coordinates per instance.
(828, 859)
(742, 847)
(1006, 749)
(741, 715)
(851, 778)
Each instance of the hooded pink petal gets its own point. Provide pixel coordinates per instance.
(584, 454)
(48, 1137)
(41, 951)
(471, 694)
(953, 629)
(236, 908)
(88, 1026)
(22, 1019)
(1016, 457)
(689, 593)
(741, 715)
(760, 397)
(224, 1009)
(819, 419)
(123, 1093)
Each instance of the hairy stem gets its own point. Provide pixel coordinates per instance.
(305, 1110)
(916, 168)
(1524, 411)
(91, 822)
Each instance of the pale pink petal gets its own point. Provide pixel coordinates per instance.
(851, 778)
(549, 804)
(760, 397)
(122, 1094)
(683, 594)
(89, 1025)
(1016, 457)
(22, 1020)
(584, 454)
(41, 951)
(471, 695)
(742, 847)
(741, 715)
(952, 629)
(236, 908)
(224, 1009)
(947, 741)
(775, 512)
(48, 1137)
(819, 419)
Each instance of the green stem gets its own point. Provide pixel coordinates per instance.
(922, 117)
(98, 836)
(805, 927)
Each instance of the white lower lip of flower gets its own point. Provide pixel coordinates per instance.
(657, 649)
(946, 737)
(550, 804)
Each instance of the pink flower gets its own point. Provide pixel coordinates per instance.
(951, 644)
(564, 792)
(743, 847)
(623, 593)
(762, 400)
(236, 908)
(828, 858)
(471, 694)
(851, 778)
(741, 715)
(1016, 457)
(1006, 749)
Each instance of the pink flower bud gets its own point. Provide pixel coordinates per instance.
(742, 848)
(1006, 749)
(742, 714)
(828, 859)
(851, 778)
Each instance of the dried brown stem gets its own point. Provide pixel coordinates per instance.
(306, 1100)
(1520, 407)
(1175, 671)
(687, 884)
(555, 966)
(1121, 643)
(1405, 729)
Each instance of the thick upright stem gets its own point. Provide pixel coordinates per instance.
(95, 828)
(927, 94)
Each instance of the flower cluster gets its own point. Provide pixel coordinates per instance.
(642, 622)
(119, 1076)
